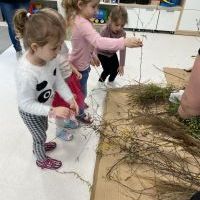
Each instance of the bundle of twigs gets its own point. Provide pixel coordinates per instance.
(159, 142)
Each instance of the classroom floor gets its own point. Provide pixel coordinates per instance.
(4, 38)
(20, 178)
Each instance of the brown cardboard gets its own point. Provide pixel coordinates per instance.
(104, 189)
(176, 77)
(116, 106)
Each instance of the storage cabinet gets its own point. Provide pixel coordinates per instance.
(133, 14)
(167, 20)
(185, 17)
(148, 18)
(189, 20)
(192, 4)
(190, 17)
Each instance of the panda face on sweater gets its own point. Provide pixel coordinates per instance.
(45, 93)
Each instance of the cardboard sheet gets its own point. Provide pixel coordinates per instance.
(176, 77)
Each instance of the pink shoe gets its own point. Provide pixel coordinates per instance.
(49, 163)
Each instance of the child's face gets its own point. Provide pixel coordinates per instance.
(48, 52)
(89, 10)
(117, 26)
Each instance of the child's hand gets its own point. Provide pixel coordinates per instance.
(74, 107)
(60, 111)
(75, 71)
(121, 70)
(133, 42)
(95, 61)
(78, 74)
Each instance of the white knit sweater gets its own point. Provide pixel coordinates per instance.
(36, 86)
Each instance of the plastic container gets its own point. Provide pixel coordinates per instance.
(175, 97)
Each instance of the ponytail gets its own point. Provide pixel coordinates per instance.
(71, 9)
(20, 18)
(40, 28)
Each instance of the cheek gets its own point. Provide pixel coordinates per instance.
(39, 52)
(114, 28)
(51, 53)
(92, 10)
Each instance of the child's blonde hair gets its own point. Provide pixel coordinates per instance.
(119, 13)
(40, 28)
(56, 14)
(71, 7)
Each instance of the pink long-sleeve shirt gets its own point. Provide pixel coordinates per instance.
(85, 39)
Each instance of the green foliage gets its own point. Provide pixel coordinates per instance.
(172, 108)
(193, 126)
(151, 93)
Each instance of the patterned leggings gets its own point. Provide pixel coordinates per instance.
(37, 125)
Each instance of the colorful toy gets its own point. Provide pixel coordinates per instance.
(169, 3)
(34, 7)
(101, 16)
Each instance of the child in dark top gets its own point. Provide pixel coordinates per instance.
(109, 60)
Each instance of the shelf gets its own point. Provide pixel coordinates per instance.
(175, 8)
(99, 24)
(108, 4)
(134, 5)
(148, 6)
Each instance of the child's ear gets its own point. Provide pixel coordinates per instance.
(34, 47)
(80, 4)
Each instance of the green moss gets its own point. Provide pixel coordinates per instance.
(193, 126)
(146, 95)
(151, 93)
(172, 108)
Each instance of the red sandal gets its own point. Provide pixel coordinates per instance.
(49, 163)
(48, 146)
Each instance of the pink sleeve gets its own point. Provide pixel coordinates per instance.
(99, 42)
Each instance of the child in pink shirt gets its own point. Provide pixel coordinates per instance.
(85, 38)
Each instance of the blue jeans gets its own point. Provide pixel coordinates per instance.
(8, 11)
(83, 81)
